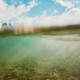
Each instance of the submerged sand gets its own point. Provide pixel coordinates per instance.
(75, 37)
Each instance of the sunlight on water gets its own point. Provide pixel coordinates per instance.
(16, 48)
(38, 58)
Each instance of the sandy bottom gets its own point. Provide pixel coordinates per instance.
(62, 37)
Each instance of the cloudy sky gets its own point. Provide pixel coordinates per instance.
(40, 12)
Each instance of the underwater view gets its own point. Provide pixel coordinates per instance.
(39, 57)
(39, 39)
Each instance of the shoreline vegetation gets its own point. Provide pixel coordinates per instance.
(8, 30)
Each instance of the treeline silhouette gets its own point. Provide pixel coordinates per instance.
(56, 28)
(8, 29)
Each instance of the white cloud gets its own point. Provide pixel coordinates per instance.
(65, 3)
(70, 17)
(67, 18)
(8, 12)
(44, 13)
(25, 21)
(55, 12)
(2, 5)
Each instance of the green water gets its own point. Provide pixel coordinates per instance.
(38, 58)
(17, 48)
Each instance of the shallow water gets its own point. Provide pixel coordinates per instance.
(38, 58)
(17, 48)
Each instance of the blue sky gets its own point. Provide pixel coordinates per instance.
(45, 5)
(40, 12)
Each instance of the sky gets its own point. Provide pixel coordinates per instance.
(36, 13)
